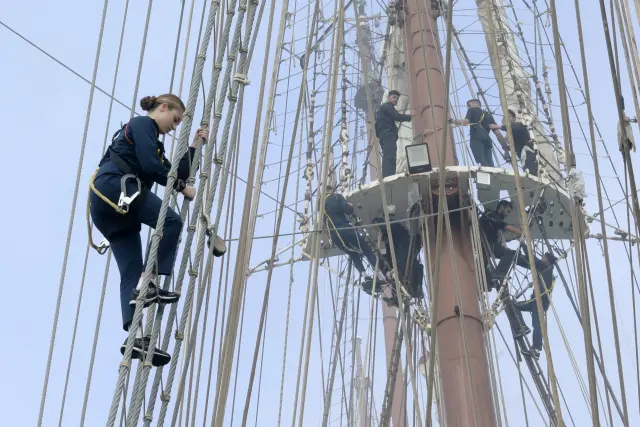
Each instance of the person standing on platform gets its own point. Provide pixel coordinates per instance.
(521, 143)
(480, 122)
(387, 131)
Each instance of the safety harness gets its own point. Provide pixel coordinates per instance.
(124, 201)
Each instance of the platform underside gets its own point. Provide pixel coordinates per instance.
(367, 200)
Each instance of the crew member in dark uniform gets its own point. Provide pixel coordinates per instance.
(545, 268)
(343, 235)
(479, 122)
(129, 168)
(521, 143)
(387, 131)
(492, 224)
(406, 253)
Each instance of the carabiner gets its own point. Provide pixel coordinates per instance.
(103, 247)
(124, 202)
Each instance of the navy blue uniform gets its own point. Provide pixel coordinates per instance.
(522, 139)
(545, 284)
(136, 145)
(405, 254)
(492, 223)
(479, 136)
(387, 132)
(343, 235)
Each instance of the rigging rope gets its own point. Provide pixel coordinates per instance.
(526, 229)
(72, 215)
(157, 235)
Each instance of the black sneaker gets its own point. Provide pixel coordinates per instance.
(522, 332)
(154, 295)
(140, 346)
(534, 353)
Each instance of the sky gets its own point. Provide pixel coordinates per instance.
(45, 106)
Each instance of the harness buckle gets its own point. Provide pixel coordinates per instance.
(124, 202)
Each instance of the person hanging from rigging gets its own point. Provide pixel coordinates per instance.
(492, 224)
(387, 131)
(521, 143)
(545, 268)
(407, 249)
(480, 142)
(343, 235)
(120, 201)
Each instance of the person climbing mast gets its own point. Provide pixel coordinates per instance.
(492, 224)
(121, 201)
(343, 235)
(545, 267)
(387, 131)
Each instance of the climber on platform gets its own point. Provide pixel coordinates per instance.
(521, 143)
(387, 131)
(480, 124)
(492, 224)
(121, 201)
(343, 235)
(544, 267)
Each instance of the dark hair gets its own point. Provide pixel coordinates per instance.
(150, 103)
(505, 203)
(393, 92)
(512, 113)
(474, 100)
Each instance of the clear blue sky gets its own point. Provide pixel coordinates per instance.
(45, 105)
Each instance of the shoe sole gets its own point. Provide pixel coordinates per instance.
(168, 299)
(147, 301)
(158, 359)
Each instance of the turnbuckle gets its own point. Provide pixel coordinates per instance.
(124, 202)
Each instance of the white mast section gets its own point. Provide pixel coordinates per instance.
(394, 69)
(518, 87)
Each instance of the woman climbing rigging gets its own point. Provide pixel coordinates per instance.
(121, 201)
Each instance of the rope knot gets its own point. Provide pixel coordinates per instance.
(218, 160)
(242, 79)
(125, 364)
(179, 335)
(202, 56)
(193, 273)
(165, 397)
(148, 417)
(158, 233)
(191, 228)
